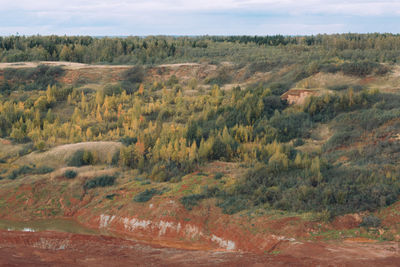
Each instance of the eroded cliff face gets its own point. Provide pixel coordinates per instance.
(164, 221)
(164, 230)
(205, 227)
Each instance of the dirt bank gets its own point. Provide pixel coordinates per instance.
(63, 249)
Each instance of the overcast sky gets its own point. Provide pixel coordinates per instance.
(187, 17)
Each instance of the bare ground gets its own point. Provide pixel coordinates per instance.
(64, 249)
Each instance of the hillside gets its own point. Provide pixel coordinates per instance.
(241, 155)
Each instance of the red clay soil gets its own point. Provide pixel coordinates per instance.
(63, 249)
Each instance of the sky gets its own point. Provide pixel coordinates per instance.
(200, 17)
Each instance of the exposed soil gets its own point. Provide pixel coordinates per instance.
(63, 249)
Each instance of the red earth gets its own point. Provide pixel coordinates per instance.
(49, 248)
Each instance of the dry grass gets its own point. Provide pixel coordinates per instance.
(389, 83)
(57, 157)
(64, 64)
(7, 149)
(85, 172)
(325, 80)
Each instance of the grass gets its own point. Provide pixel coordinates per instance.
(59, 155)
(147, 194)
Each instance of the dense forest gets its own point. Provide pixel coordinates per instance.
(240, 49)
(168, 132)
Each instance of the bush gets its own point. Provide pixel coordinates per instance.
(26, 149)
(134, 74)
(220, 79)
(34, 78)
(191, 201)
(290, 126)
(111, 196)
(127, 141)
(232, 204)
(172, 81)
(70, 174)
(363, 68)
(80, 158)
(298, 142)
(370, 221)
(29, 170)
(261, 66)
(22, 170)
(43, 170)
(115, 158)
(218, 175)
(110, 90)
(147, 195)
(101, 181)
(76, 159)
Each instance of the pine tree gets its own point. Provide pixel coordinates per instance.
(99, 118)
(50, 94)
(193, 156)
(141, 89)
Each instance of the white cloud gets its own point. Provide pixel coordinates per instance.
(362, 7)
(99, 17)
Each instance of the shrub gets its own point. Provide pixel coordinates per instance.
(70, 174)
(191, 201)
(27, 169)
(26, 149)
(34, 78)
(22, 170)
(110, 90)
(218, 175)
(370, 221)
(76, 159)
(164, 171)
(127, 141)
(339, 87)
(289, 126)
(134, 74)
(80, 158)
(172, 81)
(363, 68)
(43, 170)
(324, 216)
(232, 204)
(146, 195)
(111, 196)
(298, 142)
(261, 66)
(101, 181)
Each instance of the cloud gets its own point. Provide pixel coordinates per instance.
(363, 7)
(142, 17)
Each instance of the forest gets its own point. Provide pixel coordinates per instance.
(169, 127)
